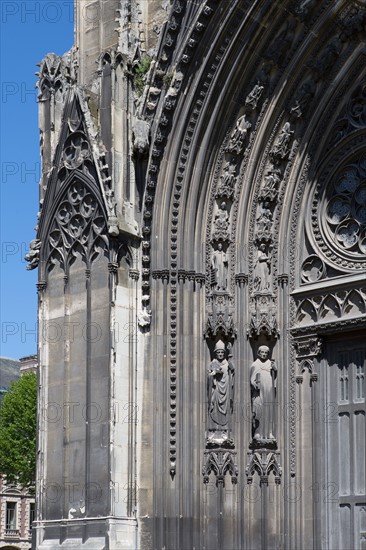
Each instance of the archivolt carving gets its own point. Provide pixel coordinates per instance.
(79, 228)
(281, 147)
(168, 106)
(356, 108)
(239, 135)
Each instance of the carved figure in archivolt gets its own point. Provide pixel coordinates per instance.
(303, 98)
(219, 266)
(239, 135)
(253, 96)
(221, 223)
(220, 396)
(264, 220)
(281, 147)
(227, 181)
(262, 269)
(263, 374)
(271, 182)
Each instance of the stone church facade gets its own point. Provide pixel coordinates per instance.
(201, 249)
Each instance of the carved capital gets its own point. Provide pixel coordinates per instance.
(191, 275)
(200, 278)
(241, 279)
(112, 267)
(134, 274)
(162, 274)
(182, 274)
(41, 286)
(283, 279)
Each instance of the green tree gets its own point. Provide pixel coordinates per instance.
(18, 420)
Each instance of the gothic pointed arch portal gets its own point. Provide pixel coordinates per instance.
(265, 212)
(204, 207)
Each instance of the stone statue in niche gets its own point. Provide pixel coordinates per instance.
(32, 255)
(221, 223)
(220, 396)
(219, 267)
(263, 373)
(262, 269)
(227, 181)
(281, 147)
(253, 96)
(239, 135)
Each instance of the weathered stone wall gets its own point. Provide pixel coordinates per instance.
(221, 252)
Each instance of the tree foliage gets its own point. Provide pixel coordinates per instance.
(18, 417)
(140, 71)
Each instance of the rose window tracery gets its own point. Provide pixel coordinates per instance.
(339, 216)
(346, 212)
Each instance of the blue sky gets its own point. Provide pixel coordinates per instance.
(29, 30)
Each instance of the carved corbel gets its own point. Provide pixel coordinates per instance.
(307, 349)
(220, 462)
(32, 255)
(263, 462)
(219, 323)
(263, 318)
